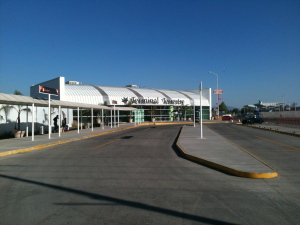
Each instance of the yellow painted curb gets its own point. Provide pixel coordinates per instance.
(17, 151)
(225, 168)
(38, 147)
(175, 123)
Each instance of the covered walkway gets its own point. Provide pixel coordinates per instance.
(8, 99)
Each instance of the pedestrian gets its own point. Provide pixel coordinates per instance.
(55, 124)
(64, 124)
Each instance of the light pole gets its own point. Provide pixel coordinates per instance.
(217, 91)
(200, 117)
(193, 102)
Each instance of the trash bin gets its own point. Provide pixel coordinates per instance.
(41, 129)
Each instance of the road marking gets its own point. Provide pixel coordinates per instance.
(275, 142)
(267, 150)
(67, 149)
(107, 143)
(230, 128)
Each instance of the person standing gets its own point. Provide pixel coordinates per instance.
(55, 124)
(63, 124)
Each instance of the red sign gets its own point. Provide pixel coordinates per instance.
(114, 102)
(47, 90)
(218, 91)
(220, 98)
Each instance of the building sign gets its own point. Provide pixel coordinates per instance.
(47, 90)
(218, 92)
(114, 102)
(152, 101)
(172, 102)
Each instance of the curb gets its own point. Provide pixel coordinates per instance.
(175, 123)
(271, 130)
(225, 168)
(38, 147)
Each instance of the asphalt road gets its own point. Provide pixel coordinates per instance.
(137, 177)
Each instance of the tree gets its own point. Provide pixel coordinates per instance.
(223, 107)
(19, 109)
(17, 93)
(190, 111)
(6, 109)
(235, 111)
(129, 104)
(152, 111)
(185, 109)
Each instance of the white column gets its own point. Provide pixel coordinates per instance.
(201, 131)
(118, 117)
(92, 120)
(210, 104)
(32, 124)
(78, 124)
(59, 119)
(194, 114)
(102, 120)
(27, 122)
(114, 116)
(111, 120)
(49, 116)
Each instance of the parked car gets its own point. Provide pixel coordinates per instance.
(253, 119)
(227, 117)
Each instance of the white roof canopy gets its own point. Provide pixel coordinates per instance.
(26, 100)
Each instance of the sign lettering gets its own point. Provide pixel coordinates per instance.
(218, 92)
(47, 90)
(152, 101)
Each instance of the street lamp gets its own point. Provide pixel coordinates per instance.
(217, 91)
(218, 111)
(200, 116)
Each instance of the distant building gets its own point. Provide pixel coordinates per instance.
(266, 107)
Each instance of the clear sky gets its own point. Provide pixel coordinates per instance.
(161, 44)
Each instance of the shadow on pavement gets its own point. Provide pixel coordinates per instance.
(119, 201)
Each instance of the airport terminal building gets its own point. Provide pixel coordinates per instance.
(153, 104)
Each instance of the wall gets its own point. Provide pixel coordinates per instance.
(8, 118)
(281, 114)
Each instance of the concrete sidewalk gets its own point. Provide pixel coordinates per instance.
(217, 152)
(19, 145)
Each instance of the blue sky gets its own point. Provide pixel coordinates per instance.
(162, 44)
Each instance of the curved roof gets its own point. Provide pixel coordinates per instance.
(94, 94)
(26, 100)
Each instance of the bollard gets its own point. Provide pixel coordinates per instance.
(41, 129)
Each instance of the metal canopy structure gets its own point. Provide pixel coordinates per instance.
(93, 94)
(26, 100)
(20, 100)
(10, 99)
